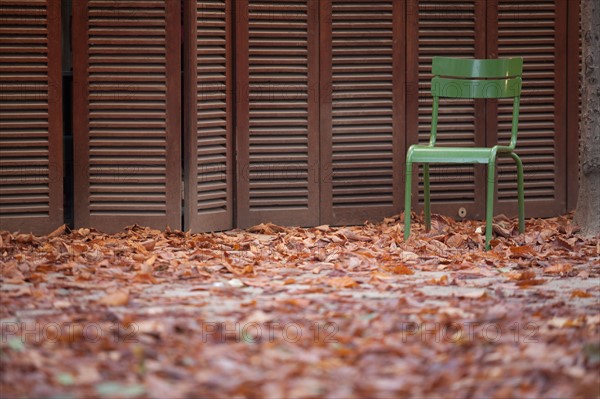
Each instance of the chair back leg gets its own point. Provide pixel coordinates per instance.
(521, 191)
(489, 207)
(427, 197)
(407, 198)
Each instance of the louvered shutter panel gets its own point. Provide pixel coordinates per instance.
(451, 28)
(126, 68)
(535, 31)
(362, 109)
(31, 185)
(208, 94)
(277, 112)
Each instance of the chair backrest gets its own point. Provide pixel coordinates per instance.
(467, 78)
(464, 78)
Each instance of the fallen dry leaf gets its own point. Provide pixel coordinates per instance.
(342, 282)
(474, 294)
(401, 269)
(150, 261)
(117, 298)
(558, 269)
(148, 244)
(381, 276)
(522, 251)
(520, 275)
(440, 281)
(455, 240)
(267, 228)
(580, 294)
(530, 283)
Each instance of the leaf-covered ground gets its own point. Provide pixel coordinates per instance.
(290, 312)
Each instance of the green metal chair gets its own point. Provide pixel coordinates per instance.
(464, 78)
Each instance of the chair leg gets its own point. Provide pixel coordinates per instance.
(521, 191)
(407, 198)
(489, 209)
(427, 198)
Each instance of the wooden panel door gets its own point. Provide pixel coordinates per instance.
(208, 141)
(453, 28)
(31, 160)
(277, 125)
(536, 31)
(127, 114)
(362, 109)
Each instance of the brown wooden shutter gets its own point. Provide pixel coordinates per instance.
(208, 104)
(277, 112)
(31, 170)
(535, 31)
(362, 109)
(127, 86)
(452, 28)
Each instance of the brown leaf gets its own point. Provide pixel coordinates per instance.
(580, 294)
(145, 277)
(545, 234)
(150, 261)
(148, 245)
(401, 269)
(441, 281)
(474, 294)
(520, 275)
(568, 244)
(117, 298)
(58, 232)
(530, 283)
(558, 268)
(266, 228)
(342, 282)
(499, 230)
(524, 251)
(352, 236)
(455, 240)
(381, 276)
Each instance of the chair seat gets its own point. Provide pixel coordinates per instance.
(423, 153)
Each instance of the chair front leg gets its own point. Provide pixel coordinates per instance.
(521, 191)
(489, 209)
(427, 197)
(407, 198)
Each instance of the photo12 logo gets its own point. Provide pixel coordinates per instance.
(272, 331)
(468, 332)
(33, 332)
